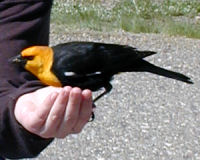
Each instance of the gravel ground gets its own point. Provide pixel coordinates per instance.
(145, 116)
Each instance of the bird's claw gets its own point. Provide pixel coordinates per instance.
(92, 117)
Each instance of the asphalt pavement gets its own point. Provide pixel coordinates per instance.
(145, 116)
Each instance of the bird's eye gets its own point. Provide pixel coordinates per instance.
(29, 57)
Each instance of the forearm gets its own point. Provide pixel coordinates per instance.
(15, 141)
(22, 23)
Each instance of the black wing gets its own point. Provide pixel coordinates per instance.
(90, 57)
(92, 65)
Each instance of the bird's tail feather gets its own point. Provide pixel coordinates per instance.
(143, 54)
(144, 66)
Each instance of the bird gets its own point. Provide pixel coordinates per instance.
(88, 65)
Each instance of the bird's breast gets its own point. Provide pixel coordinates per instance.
(49, 78)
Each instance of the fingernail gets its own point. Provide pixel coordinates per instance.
(87, 94)
(67, 88)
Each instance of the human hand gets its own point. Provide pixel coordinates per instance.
(53, 112)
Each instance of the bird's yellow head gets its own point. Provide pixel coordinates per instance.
(38, 60)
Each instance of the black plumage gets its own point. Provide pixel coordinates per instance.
(92, 65)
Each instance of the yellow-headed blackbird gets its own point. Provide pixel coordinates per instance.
(87, 64)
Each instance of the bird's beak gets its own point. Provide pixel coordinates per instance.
(18, 59)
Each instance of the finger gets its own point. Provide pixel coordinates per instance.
(42, 93)
(56, 114)
(39, 116)
(43, 112)
(85, 111)
(71, 113)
